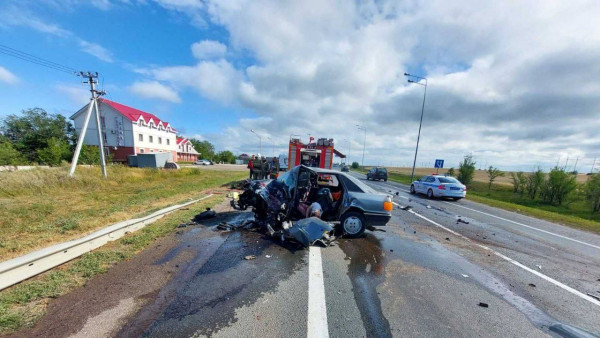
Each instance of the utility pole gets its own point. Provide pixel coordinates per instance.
(575, 167)
(93, 105)
(593, 165)
(412, 175)
(364, 143)
(259, 141)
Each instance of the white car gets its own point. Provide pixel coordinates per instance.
(439, 186)
(203, 162)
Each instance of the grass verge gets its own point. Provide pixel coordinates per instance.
(576, 214)
(44, 206)
(21, 305)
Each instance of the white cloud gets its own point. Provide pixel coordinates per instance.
(96, 50)
(8, 77)
(77, 94)
(154, 90)
(208, 49)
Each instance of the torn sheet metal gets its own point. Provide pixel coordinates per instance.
(309, 230)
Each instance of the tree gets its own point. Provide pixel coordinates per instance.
(466, 170)
(53, 154)
(355, 165)
(592, 192)
(33, 130)
(8, 154)
(535, 181)
(493, 173)
(519, 181)
(451, 172)
(205, 148)
(225, 156)
(558, 187)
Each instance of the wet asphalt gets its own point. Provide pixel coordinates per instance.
(412, 279)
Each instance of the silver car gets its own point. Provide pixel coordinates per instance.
(439, 186)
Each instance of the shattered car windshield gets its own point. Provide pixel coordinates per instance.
(289, 178)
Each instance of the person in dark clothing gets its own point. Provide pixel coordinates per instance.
(251, 166)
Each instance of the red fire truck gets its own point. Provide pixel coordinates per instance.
(313, 154)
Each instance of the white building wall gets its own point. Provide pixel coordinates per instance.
(156, 134)
(119, 130)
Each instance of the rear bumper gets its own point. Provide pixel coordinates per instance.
(450, 193)
(377, 219)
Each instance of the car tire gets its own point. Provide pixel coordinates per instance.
(385, 179)
(430, 194)
(456, 198)
(353, 224)
(412, 189)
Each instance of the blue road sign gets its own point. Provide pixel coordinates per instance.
(439, 163)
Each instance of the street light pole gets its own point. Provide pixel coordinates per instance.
(259, 141)
(364, 143)
(412, 175)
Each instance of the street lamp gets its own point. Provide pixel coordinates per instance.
(259, 141)
(273, 143)
(364, 142)
(412, 175)
(348, 156)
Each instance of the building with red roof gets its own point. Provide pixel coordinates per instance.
(129, 131)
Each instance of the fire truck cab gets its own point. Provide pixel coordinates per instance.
(317, 154)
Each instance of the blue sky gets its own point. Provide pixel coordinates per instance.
(512, 83)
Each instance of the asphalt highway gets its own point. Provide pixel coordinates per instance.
(438, 269)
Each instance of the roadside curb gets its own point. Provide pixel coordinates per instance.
(21, 268)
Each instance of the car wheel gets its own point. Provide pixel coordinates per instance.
(385, 179)
(412, 189)
(456, 198)
(430, 194)
(353, 224)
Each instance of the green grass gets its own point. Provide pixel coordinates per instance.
(45, 206)
(22, 304)
(576, 213)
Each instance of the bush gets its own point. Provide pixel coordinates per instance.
(592, 192)
(451, 172)
(535, 180)
(519, 181)
(493, 173)
(355, 165)
(558, 187)
(8, 154)
(56, 151)
(466, 170)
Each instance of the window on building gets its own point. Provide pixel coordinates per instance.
(168, 142)
(160, 140)
(141, 151)
(150, 139)
(140, 137)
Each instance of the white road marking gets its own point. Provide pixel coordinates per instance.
(537, 273)
(525, 225)
(317, 309)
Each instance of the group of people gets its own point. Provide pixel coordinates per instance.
(261, 169)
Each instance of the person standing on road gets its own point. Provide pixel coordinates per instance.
(251, 166)
(264, 168)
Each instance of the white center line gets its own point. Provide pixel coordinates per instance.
(317, 309)
(525, 225)
(535, 272)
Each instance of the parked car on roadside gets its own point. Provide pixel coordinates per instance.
(345, 168)
(439, 186)
(377, 173)
(204, 162)
(343, 199)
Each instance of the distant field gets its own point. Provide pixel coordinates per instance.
(43, 207)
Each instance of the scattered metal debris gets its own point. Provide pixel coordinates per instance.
(447, 238)
(460, 220)
(249, 257)
(310, 230)
(428, 206)
(532, 285)
(372, 228)
(538, 266)
(593, 296)
(466, 276)
(482, 304)
(205, 215)
(268, 256)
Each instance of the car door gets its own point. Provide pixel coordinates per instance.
(430, 182)
(420, 187)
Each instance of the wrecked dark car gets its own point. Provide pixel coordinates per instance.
(343, 201)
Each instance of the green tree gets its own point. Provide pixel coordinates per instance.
(8, 154)
(559, 186)
(451, 172)
(466, 170)
(355, 165)
(205, 148)
(592, 192)
(54, 153)
(34, 128)
(493, 173)
(535, 181)
(519, 181)
(225, 156)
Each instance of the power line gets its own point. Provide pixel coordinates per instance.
(36, 60)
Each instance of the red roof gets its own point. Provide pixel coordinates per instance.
(134, 114)
(180, 139)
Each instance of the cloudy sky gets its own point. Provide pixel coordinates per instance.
(515, 83)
